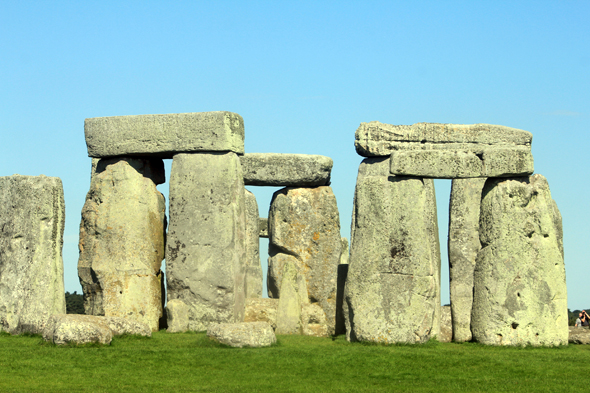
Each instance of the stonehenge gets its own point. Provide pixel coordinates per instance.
(198, 267)
(505, 238)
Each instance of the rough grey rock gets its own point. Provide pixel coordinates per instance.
(392, 291)
(313, 320)
(122, 240)
(78, 329)
(206, 249)
(254, 275)
(263, 227)
(579, 335)
(286, 170)
(177, 313)
(243, 334)
(379, 139)
(304, 227)
(446, 325)
(32, 216)
(475, 162)
(262, 310)
(340, 283)
(163, 136)
(120, 326)
(520, 295)
(293, 297)
(463, 247)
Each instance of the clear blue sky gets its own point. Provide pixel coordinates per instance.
(303, 75)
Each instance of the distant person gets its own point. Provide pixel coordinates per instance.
(583, 319)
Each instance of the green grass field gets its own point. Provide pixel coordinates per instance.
(190, 362)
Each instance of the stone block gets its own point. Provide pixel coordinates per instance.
(122, 241)
(579, 335)
(263, 227)
(293, 297)
(452, 164)
(463, 247)
(304, 228)
(177, 313)
(205, 248)
(243, 334)
(313, 320)
(120, 326)
(446, 325)
(392, 292)
(286, 170)
(379, 139)
(262, 310)
(519, 295)
(32, 217)
(163, 136)
(254, 275)
(77, 329)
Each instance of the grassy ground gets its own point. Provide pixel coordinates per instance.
(191, 362)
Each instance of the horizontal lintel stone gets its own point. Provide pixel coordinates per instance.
(454, 164)
(379, 139)
(164, 135)
(286, 170)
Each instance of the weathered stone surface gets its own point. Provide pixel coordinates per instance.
(313, 320)
(253, 268)
(263, 227)
(77, 329)
(379, 139)
(163, 136)
(32, 216)
(177, 313)
(286, 170)
(243, 334)
(304, 227)
(579, 335)
(262, 310)
(463, 247)
(340, 284)
(206, 251)
(392, 289)
(475, 162)
(122, 241)
(446, 325)
(293, 297)
(520, 295)
(121, 326)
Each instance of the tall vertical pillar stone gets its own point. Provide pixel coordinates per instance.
(206, 243)
(122, 240)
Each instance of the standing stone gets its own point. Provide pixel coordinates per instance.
(340, 284)
(446, 325)
(392, 290)
(520, 295)
(293, 297)
(206, 244)
(177, 313)
(304, 229)
(32, 217)
(253, 268)
(122, 240)
(463, 247)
